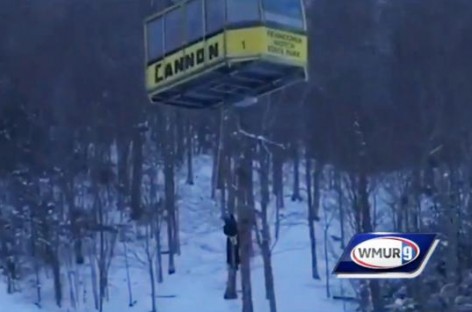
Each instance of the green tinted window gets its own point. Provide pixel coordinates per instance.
(174, 30)
(194, 13)
(215, 15)
(155, 39)
(285, 12)
(243, 11)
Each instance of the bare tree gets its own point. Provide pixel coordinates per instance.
(245, 223)
(150, 251)
(189, 149)
(263, 235)
(313, 208)
(169, 186)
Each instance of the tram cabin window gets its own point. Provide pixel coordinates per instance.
(215, 15)
(285, 12)
(174, 30)
(194, 19)
(240, 11)
(155, 39)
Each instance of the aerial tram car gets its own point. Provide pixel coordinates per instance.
(203, 53)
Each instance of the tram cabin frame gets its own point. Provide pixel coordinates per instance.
(202, 53)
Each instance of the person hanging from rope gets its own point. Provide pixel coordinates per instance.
(230, 229)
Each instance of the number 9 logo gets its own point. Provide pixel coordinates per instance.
(407, 253)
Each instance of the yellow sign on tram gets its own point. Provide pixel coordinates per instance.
(263, 41)
(228, 46)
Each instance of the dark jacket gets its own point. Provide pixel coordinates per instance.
(230, 229)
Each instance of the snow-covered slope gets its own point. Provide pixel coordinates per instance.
(199, 282)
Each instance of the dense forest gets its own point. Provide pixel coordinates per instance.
(387, 109)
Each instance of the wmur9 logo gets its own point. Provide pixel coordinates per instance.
(386, 255)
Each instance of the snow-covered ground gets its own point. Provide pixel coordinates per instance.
(199, 282)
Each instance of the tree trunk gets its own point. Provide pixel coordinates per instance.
(123, 174)
(311, 215)
(364, 207)
(308, 170)
(136, 209)
(179, 125)
(56, 270)
(245, 223)
(156, 222)
(160, 275)
(102, 256)
(450, 208)
(176, 227)
(128, 276)
(246, 241)
(232, 193)
(93, 275)
(169, 189)
(296, 173)
(249, 188)
(189, 141)
(229, 176)
(150, 262)
(218, 155)
(265, 241)
(231, 289)
(278, 189)
(339, 190)
(326, 257)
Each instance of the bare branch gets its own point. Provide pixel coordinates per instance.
(138, 257)
(259, 138)
(436, 149)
